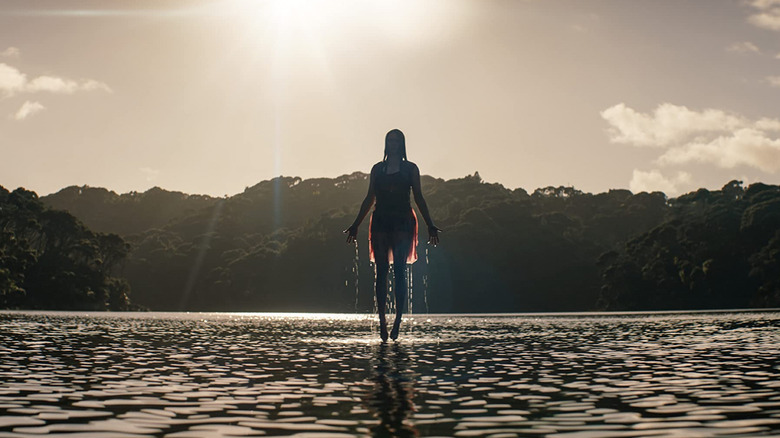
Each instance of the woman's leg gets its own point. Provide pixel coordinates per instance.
(402, 244)
(379, 241)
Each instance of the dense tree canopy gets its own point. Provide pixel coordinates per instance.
(278, 246)
(715, 250)
(49, 260)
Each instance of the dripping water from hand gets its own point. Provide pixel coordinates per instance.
(425, 281)
(391, 291)
(355, 271)
(410, 290)
(375, 309)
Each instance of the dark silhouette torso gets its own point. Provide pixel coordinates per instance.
(392, 190)
(393, 209)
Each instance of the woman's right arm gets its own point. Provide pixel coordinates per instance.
(351, 232)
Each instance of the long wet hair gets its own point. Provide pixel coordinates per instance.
(403, 143)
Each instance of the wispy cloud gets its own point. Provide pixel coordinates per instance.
(711, 136)
(93, 85)
(151, 174)
(766, 14)
(10, 52)
(743, 47)
(654, 181)
(28, 109)
(773, 81)
(13, 81)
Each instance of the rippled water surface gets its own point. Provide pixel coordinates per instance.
(188, 375)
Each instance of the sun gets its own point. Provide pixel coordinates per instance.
(283, 15)
(409, 22)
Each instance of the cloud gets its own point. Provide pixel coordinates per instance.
(764, 4)
(151, 174)
(11, 52)
(749, 147)
(708, 136)
(767, 20)
(93, 85)
(669, 124)
(773, 81)
(13, 81)
(654, 181)
(743, 47)
(767, 14)
(51, 84)
(28, 108)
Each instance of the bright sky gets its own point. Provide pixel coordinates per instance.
(213, 96)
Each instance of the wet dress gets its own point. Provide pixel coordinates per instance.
(393, 213)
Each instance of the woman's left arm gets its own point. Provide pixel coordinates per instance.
(433, 231)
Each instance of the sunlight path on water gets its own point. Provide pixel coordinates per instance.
(261, 374)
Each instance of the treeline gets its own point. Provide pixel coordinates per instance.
(278, 246)
(717, 249)
(49, 260)
(130, 213)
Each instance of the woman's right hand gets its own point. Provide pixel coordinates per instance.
(351, 233)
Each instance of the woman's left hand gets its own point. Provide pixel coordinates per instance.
(433, 235)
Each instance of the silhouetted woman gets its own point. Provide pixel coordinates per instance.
(392, 234)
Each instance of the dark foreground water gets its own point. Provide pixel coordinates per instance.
(191, 375)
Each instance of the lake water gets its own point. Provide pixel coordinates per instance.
(568, 375)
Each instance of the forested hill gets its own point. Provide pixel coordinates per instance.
(50, 260)
(278, 246)
(129, 213)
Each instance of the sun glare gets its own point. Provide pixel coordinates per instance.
(399, 21)
(299, 47)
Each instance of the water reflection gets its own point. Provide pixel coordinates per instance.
(235, 375)
(391, 398)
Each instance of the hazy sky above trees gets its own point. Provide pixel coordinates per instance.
(213, 96)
